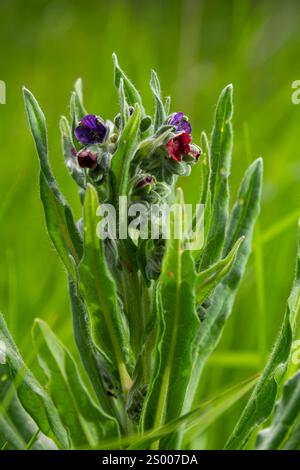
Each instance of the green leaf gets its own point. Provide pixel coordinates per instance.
(81, 111)
(167, 389)
(92, 360)
(197, 420)
(209, 279)
(60, 223)
(86, 423)
(17, 428)
(167, 105)
(221, 149)
(205, 166)
(98, 289)
(74, 169)
(148, 146)
(123, 104)
(160, 113)
(32, 396)
(132, 95)
(284, 430)
(241, 223)
(77, 110)
(261, 402)
(124, 154)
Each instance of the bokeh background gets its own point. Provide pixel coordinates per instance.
(197, 47)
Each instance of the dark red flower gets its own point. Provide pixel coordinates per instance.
(178, 146)
(87, 159)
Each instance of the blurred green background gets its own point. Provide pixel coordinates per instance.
(197, 47)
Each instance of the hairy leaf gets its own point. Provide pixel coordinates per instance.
(91, 357)
(209, 279)
(124, 154)
(242, 220)
(74, 169)
(132, 95)
(60, 223)
(283, 432)
(178, 314)
(98, 288)
(160, 113)
(221, 149)
(17, 428)
(262, 400)
(31, 394)
(87, 424)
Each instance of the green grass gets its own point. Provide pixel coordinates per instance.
(197, 48)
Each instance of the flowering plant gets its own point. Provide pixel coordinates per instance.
(147, 312)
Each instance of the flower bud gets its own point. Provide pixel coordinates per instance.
(87, 158)
(145, 123)
(145, 184)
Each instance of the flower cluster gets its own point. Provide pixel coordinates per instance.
(92, 131)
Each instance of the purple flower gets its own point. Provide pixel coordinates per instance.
(91, 130)
(181, 123)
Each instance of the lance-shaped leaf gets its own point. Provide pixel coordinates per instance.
(160, 113)
(124, 108)
(80, 109)
(293, 440)
(132, 95)
(31, 394)
(124, 154)
(205, 165)
(221, 149)
(241, 224)
(179, 326)
(262, 400)
(207, 280)
(92, 360)
(77, 110)
(99, 291)
(283, 432)
(17, 429)
(60, 223)
(167, 105)
(74, 169)
(87, 424)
